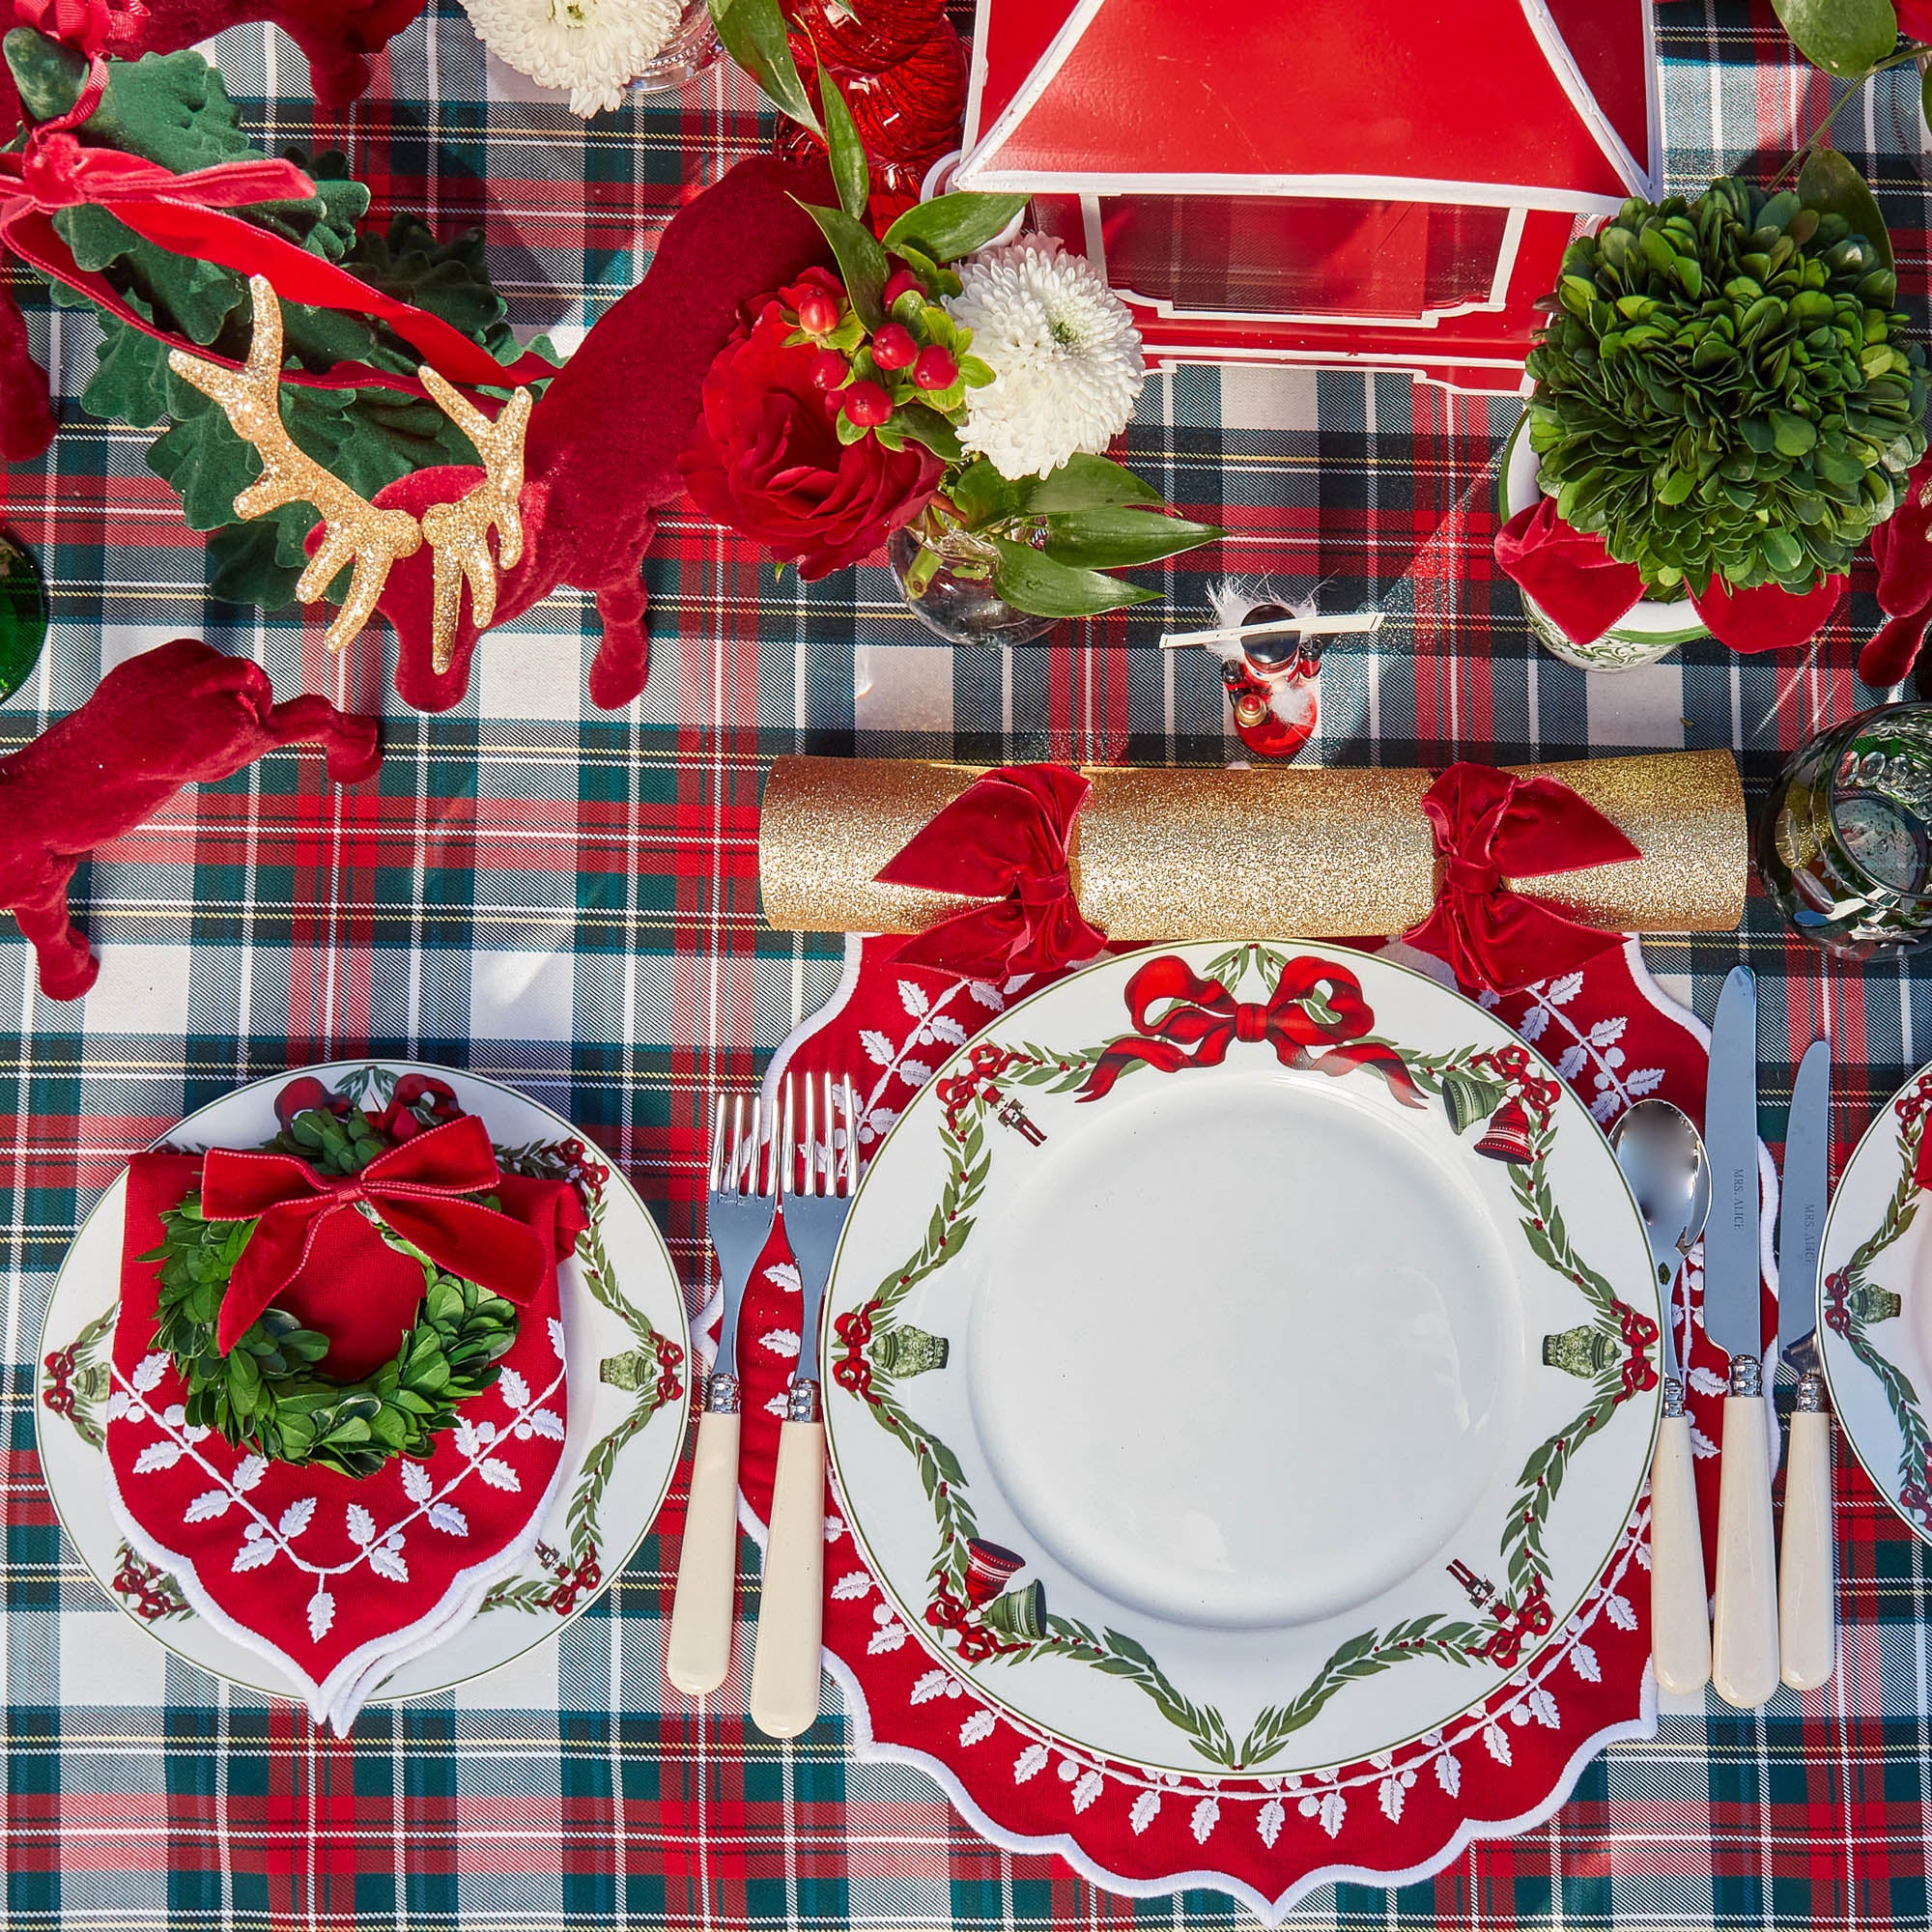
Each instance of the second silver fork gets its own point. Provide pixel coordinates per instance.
(740, 1201)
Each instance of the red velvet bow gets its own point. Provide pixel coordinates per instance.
(412, 1189)
(1201, 1020)
(184, 215)
(1572, 575)
(1903, 553)
(1005, 837)
(81, 25)
(1491, 827)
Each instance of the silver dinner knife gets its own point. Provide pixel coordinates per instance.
(1807, 1623)
(1743, 1629)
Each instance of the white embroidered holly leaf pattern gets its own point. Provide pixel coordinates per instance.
(988, 995)
(362, 1524)
(1619, 1611)
(1606, 1033)
(1705, 1382)
(880, 1122)
(255, 1552)
(158, 1456)
(1604, 1105)
(888, 1637)
(950, 1031)
(547, 1423)
(1583, 1661)
(978, 1727)
(1206, 1816)
(1449, 1773)
(247, 1474)
(1145, 1809)
(470, 1439)
(321, 1615)
(210, 1503)
(1390, 1793)
(148, 1372)
(118, 1404)
(1532, 1024)
(834, 1529)
(1645, 1080)
(1701, 1447)
(1268, 1821)
(854, 1584)
(448, 1519)
(783, 1275)
(1561, 993)
(387, 1562)
(556, 1337)
(1496, 1741)
(1543, 1707)
(1571, 1062)
(913, 999)
(499, 1474)
(779, 1405)
(417, 1483)
(1090, 1787)
(780, 1341)
(915, 1072)
(516, 1390)
(878, 1048)
(297, 1516)
(1030, 1763)
(932, 1685)
(1334, 1808)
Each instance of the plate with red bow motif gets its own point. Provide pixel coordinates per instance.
(1243, 1359)
(588, 1422)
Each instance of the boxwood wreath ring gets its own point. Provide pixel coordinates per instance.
(268, 1390)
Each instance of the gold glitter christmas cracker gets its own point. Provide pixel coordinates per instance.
(1295, 852)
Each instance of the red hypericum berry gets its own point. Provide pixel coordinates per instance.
(901, 282)
(935, 368)
(818, 315)
(829, 369)
(893, 348)
(866, 404)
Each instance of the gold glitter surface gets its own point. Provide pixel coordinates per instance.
(1295, 852)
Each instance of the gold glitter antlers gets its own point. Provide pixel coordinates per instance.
(354, 529)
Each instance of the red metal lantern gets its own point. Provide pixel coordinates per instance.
(1378, 182)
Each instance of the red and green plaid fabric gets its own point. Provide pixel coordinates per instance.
(568, 901)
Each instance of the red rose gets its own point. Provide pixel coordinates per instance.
(767, 460)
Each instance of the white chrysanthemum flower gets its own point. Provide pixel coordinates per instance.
(594, 48)
(1065, 348)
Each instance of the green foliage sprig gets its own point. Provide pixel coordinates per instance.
(1727, 389)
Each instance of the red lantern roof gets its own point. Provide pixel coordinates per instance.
(1522, 104)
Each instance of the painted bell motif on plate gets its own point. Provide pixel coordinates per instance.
(1508, 1137)
(1020, 1613)
(989, 1568)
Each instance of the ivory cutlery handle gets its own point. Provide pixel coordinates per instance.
(791, 1608)
(1679, 1605)
(1806, 1605)
(698, 1655)
(1743, 1638)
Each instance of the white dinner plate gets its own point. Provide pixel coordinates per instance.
(628, 1348)
(1267, 1408)
(1874, 1307)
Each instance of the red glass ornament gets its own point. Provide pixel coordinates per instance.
(914, 111)
(865, 38)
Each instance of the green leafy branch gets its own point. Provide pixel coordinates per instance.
(1115, 1653)
(951, 1222)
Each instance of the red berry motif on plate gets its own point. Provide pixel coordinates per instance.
(892, 347)
(866, 405)
(935, 368)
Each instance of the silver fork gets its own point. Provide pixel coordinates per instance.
(791, 1608)
(740, 1204)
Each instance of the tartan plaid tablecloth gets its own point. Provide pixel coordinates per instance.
(567, 901)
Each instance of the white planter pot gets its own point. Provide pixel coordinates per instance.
(1646, 632)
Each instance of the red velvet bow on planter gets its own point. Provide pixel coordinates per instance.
(1006, 837)
(413, 1189)
(1200, 1020)
(1491, 827)
(1573, 577)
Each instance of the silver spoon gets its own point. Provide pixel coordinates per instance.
(1663, 1157)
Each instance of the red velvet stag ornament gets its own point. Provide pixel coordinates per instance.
(178, 713)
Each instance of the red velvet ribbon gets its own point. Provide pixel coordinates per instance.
(1183, 1020)
(1489, 826)
(412, 1189)
(1573, 577)
(184, 215)
(1006, 837)
(1903, 553)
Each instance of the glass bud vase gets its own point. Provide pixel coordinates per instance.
(692, 49)
(948, 585)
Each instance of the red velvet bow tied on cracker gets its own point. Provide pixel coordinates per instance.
(415, 1189)
(1489, 828)
(1007, 837)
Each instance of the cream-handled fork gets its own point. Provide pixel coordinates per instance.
(741, 1201)
(791, 1606)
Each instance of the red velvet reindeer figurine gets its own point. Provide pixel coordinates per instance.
(176, 713)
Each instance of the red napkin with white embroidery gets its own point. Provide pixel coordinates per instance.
(337, 1579)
